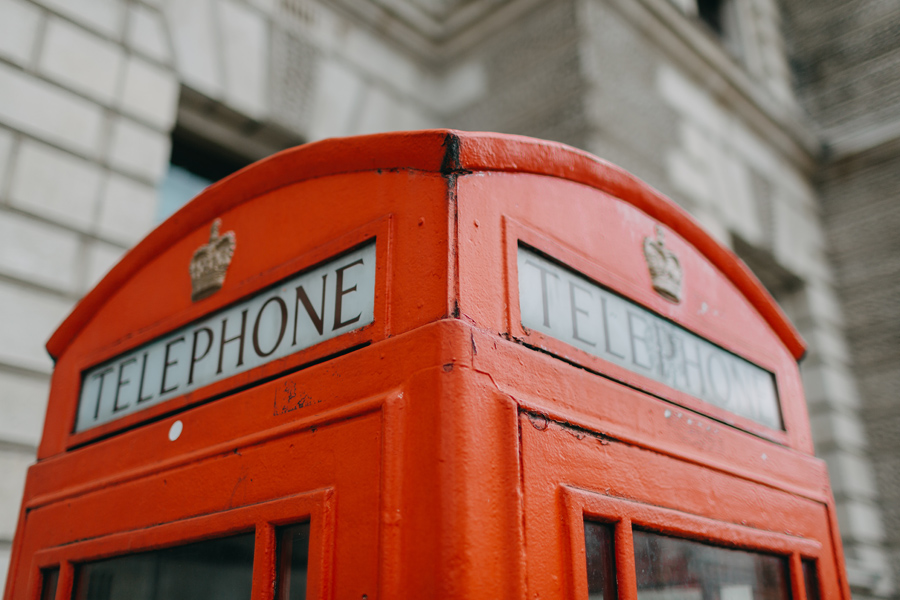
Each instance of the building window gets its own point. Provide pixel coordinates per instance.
(212, 141)
(710, 12)
(194, 164)
(721, 17)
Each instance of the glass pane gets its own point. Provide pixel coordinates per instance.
(177, 187)
(669, 568)
(49, 577)
(293, 556)
(601, 562)
(194, 164)
(219, 569)
(811, 579)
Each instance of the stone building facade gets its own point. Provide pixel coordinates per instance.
(847, 61)
(776, 126)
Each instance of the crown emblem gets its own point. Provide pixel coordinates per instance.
(665, 270)
(210, 262)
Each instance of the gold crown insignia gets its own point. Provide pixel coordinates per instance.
(665, 270)
(210, 262)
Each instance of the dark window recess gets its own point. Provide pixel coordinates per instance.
(220, 569)
(601, 561)
(194, 164)
(203, 158)
(49, 581)
(710, 12)
(669, 568)
(811, 579)
(293, 559)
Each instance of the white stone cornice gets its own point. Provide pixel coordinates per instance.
(435, 30)
(439, 31)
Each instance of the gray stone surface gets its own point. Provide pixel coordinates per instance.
(862, 208)
(535, 81)
(847, 64)
(844, 56)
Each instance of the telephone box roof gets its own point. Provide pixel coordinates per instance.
(451, 153)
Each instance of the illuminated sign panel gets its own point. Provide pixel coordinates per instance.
(565, 305)
(336, 297)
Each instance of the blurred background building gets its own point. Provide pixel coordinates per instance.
(776, 125)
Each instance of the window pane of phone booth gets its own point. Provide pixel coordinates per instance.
(669, 568)
(49, 580)
(601, 562)
(219, 569)
(811, 579)
(293, 555)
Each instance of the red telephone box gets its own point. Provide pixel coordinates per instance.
(428, 365)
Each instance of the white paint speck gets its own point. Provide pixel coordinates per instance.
(668, 413)
(764, 457)
(175, 430)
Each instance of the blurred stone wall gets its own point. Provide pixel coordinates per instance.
(847, 64)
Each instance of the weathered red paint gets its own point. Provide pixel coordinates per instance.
(445, 450)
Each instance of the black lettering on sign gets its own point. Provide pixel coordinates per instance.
(102, 375)
(340, 292)
(667, 349)
(544, 295)
(282, 327)
(141, 397)
(239, 338)
(694, 362)
(318, 319)
(606, 329)
(217, 345)
(194, 358)
(642, 343)
(576, 310)
(719, 383)
(560, 303)
(121, 382)
(166, 364)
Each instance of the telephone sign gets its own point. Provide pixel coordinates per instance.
(565, 305)
(429, 364)
(302, 311)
